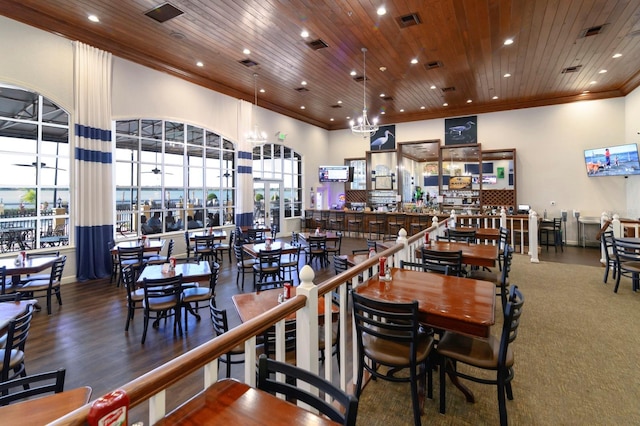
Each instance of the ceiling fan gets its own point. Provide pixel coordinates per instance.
(36, 164)
(156, 170)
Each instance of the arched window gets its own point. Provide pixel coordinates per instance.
(172, 176)
(34, 182)
(277, 162)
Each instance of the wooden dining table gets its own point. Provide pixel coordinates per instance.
(150, 245)
(253, 249)
(230, 402)
(329, 235)
(217, 234)
(492, 234)
(250, 305)
(32, 265)
(472, 254)
(191, 272)
(45, 409)
(12, 310)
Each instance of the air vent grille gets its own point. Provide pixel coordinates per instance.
(164, 12)
(301, 90)
(571, 69)
(588, 32)
(387, 98)
(359, 78)
(336, 106)
(408, 20)
(448, 89)
(248, 63)
(317, 44)
(433, 64)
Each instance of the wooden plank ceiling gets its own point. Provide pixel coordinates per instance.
(458, 44)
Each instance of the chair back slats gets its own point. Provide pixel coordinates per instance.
(26, 387)
(435, 260)
(461, 235)
(17, 333)
(512, 313)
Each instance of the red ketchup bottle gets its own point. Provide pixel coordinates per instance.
(426, 239)
(287, 290)
(111, 409)
(382, 267)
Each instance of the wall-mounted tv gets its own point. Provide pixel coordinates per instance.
(335, 174)
(614, 160)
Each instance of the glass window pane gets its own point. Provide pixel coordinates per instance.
(151, 129)
(195, 135)
(173, 132)
(52, 113)
(20, 137)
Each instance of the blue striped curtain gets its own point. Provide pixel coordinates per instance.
(93, 202)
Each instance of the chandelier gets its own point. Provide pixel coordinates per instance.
(255, 136)
(363, 126)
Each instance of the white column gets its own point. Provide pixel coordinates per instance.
(533, 236)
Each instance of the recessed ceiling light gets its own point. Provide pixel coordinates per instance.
(302, 107)
(445, 104)
(433, 86)
(495, 97)
(304, 34)
(508, 41)
(93, 18)
(507, 75)
(602, 71)
(200, 64)
(382, 95)
(593, 82)
(423, 107)
(401, 109)
(304, 83)
(339, 102)
(246, 51)
(382, 112)
(331, 119)
(353, 72)
(414, 61)
(381, 11)
(469, 101)
(262, 90)
(617, 55)
(348, 117)
(382, 69)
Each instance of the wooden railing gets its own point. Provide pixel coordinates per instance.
(151, 387)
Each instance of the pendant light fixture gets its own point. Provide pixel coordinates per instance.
(363, 127)
(255, 136)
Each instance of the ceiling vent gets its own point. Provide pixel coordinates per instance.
(448, 89)
(433, 64)
(408, 20)
(387, 98)
(336, 106)
(248, 63)
(317, 44)
(359, 78)
(571, 69)
(164, 12)
(301, 90)
(598, 29)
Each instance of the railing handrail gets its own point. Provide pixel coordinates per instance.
(142, 388)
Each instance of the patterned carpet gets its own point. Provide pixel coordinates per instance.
(577, 358)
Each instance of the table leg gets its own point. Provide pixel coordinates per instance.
(456, 382)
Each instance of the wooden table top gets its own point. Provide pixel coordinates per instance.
(30, 266)
(451, 303)
(218, 234)
(246, 228)
(472, 254)
(329, 235)
(253, 249)
(199, 272)
(230, 402)
(43, 410)
(149, 245)
(483, 233)
(250, 305)
(12, 310)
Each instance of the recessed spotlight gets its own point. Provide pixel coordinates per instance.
(382, 69)
(382, 95)
(302, 107)
(262, 90)
(93, 18)
(445, 104)
(593, 82)
(304, 34)
(602, 71)
(304, 83)
(507, 75)
(200, 64)
(331, 119)
(423, 107)
(617, 55)
(495, 97)
(382, 112)
(508, 41)
(401, 109)
(246, 52)
(469, 101)
(339, 102)
(353, 73)
(348, 117)
(414, 61)
(381, 11)
(433, 86)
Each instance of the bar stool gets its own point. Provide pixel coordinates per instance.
(336, 222)
(415, 227)
(354, 222)
(396, 222)
(378, 224)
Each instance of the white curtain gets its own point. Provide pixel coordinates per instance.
(93, 192)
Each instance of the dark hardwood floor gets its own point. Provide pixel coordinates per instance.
(86, 334)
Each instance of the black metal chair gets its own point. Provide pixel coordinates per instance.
(461, 235)
(130, 256)
(289, 264)
(244, 263)
(220, 326)
(193, 294)
(135, 296)
(378, 225)
(390, 334)
(607, 241)
(484, 354)
(354, 222)
(325, 400)
(50, 286)
(336, 222)
(12, 354)
(220, 248)
(162, 299)
(552, 230)
(158, 259)
(334, 247)
(204, 248)
(35, 255)
(395, 222)
(627, 256)
(415, 266)
(436, 260)
(317, 250)
(267, 265)
(34, 385)
(500, 280)
(421, 223)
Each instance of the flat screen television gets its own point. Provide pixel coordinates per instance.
(335, 174)
(614, 160)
